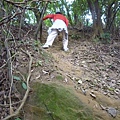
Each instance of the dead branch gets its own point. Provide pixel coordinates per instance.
(8, 18)
(40, 21)
(11, 2)
(8, 60)
(45, 0)
(21, 21)
(27, 91)
(7, 105)
(16, 4)
(9, 72)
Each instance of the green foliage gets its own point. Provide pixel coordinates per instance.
(96, 40)
(46, 55)
(59, 77)
(48, 23)
(16, 78)
(117, 20)
(111, 89)
(38, 63)
(24, 85)
(37, 43)
(18, 119)
(30, 17)
(75, 11)
(75, 36)
(105, 37)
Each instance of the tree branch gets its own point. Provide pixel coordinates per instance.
(40, 22)
(9, 18)
(27, 91)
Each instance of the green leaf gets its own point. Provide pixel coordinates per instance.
(24, 85)
(40, 63)
(111, 89)
(16, 78)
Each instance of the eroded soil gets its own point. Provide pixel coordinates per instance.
(90, 69)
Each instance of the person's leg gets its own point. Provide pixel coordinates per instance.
(50, 38)
(65, 41)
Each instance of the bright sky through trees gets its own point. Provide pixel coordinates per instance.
(69, 1)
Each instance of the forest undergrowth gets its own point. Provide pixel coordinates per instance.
(22, 61)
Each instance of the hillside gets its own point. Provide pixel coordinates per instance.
(89, 74)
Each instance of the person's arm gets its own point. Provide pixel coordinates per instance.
(51, 16)
(67, 21)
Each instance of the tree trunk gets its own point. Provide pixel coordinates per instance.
(40, 22)
(112, 10)
(109, 15)
(67, 9)
(36, 11)
(96, 16)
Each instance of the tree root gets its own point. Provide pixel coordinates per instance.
(27, 91)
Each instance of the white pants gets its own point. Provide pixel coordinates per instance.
(53, 34)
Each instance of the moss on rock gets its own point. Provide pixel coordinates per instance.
(58, 103)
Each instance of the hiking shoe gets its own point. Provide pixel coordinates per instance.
(45, 46)
(66, 49)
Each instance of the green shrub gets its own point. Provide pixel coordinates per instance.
(105, 37)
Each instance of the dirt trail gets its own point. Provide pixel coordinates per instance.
(73, 73)
(91, 70)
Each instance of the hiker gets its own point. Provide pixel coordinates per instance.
(60, 23)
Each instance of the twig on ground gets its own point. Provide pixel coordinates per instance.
(8, 60)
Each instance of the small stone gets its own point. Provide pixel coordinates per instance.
(38, 77)
(83, 62)
(79, 81)
(66, 80)
(103, 108)
(105, 93)
(116, 97)
(118, 82)
(117, 91)
(45, 72)
(93, 95)
(112, 111)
